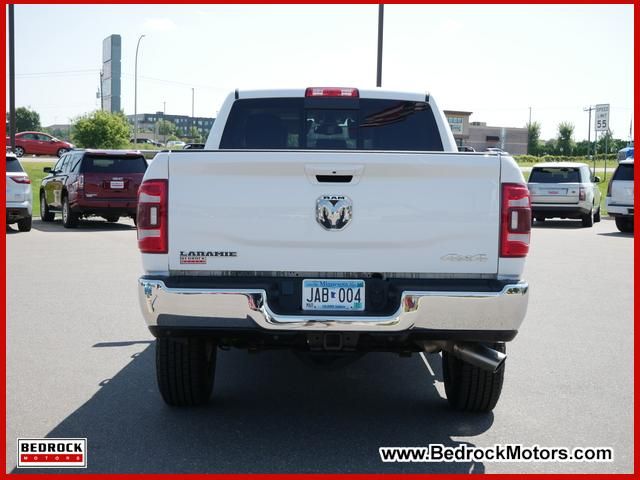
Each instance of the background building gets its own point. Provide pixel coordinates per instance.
(111, 74)
(480, 136)
(148, 124)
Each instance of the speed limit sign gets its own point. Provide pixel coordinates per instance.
(602, 117)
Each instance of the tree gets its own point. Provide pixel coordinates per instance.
(26, 119)
(583, 147)
(101, 129)
(195, 135)
(548, 147)
(533, 130)
(565, 143)
(166, 128)
(607, 143)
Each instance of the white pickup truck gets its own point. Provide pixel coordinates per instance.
(333, 222)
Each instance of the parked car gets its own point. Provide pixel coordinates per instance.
(564, 190)
(257, 247)
(145, 141)
(193, 146)
(38, 143)
(175, 144)
(86, 183)
(18, 193)
(466, 148)
(620, 196)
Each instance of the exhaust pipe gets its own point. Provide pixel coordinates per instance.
(479, 355)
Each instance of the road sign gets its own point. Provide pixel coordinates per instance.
(602, 117)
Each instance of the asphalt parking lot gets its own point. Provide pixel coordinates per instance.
(81, 364)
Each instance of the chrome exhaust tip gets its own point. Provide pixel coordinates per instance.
(480, 356)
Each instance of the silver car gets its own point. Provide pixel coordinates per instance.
(18, 190)
(620, 196)
(564, 190)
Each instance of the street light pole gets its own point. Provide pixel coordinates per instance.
(12, 82)
(135, 95)
(193, 94)
(380, 31)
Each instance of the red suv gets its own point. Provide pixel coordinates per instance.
(84, 183)
(38, 143)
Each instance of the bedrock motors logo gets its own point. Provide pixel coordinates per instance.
(52, 453)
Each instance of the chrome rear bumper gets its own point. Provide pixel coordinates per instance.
(432, 310)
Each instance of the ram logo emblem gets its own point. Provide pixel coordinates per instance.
(334, 212)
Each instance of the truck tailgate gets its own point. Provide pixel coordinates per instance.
(431, 213)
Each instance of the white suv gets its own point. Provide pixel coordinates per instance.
(18, 191)
(620, 196)
(565, 190)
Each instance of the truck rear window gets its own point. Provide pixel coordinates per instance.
(113, 164)
(555, 175)
(13, 165)
(624, 172)
(364, 124)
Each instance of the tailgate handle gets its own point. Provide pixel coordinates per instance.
(334, 178)
(334, 173)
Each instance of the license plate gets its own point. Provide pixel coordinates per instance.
(346, 295)
(117, 184)
(557, 191)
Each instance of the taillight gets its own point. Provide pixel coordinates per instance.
(21, 179)
(609, 188)
(515, 228)
(582, 195)
(81, 181)
(152, 217)
(331, 92)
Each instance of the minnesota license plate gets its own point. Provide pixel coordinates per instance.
(346, 295)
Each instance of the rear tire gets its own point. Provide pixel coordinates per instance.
(19, 151)
(470, 388)
(185, 369)
(625, 225)
(69, 218)
(587, 220)
(45, 214)
(24, 225)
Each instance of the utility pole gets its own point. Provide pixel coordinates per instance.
(101, 97)
(135, 95)
(529, 116)
(595, 151)
(193, 93)
(590, 109)
(12, 81)
(164, 112)
(380, 31)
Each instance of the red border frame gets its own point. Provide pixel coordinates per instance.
(3, 376)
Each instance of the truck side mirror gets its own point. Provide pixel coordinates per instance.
(46, 169)
(596, 179)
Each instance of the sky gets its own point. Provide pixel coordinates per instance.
(496, 61)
